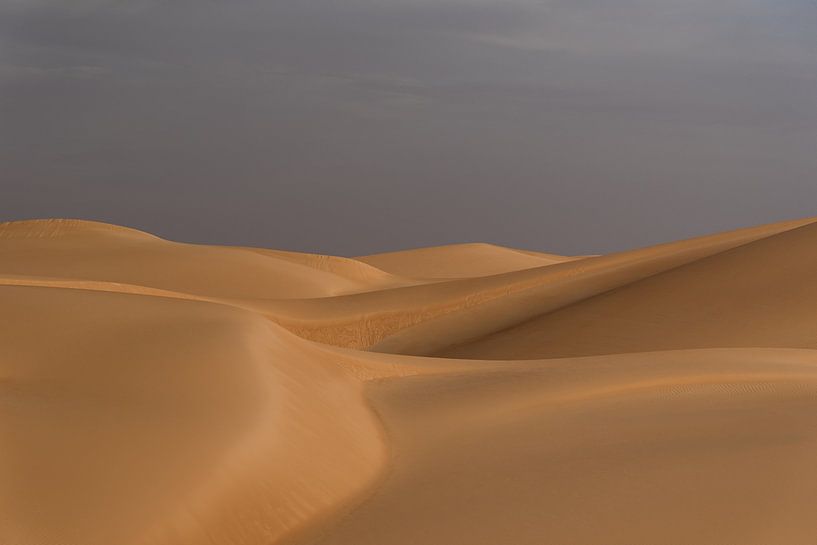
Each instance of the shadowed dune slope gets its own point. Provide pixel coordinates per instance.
(409, 319)
(500, 302)
(159, 393)
(132, 419)
(762, 294)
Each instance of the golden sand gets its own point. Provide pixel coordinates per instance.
(159, 393)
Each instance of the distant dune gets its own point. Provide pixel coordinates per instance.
(460, 261)
(161, 393)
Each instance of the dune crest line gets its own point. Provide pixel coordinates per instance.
(162, 393)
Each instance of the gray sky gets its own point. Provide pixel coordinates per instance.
(356, 126)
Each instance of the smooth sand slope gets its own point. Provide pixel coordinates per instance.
(97, 252)
(761, 294)
(160, 393)
(672, 448)
(460, 261)
(425, 319)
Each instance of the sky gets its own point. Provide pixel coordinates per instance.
(357, 126)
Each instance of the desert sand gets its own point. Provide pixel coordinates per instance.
(160, 393)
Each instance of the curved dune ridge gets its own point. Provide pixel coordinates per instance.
(161, 393)
(460, 261)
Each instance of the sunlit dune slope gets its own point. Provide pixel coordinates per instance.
(762, 294)
(92, 251)
(460, 261)
(425, 319)
(161, 393)
(706, 447)
(137, 419)
(357, 272)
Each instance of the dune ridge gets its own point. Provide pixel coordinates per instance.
(399, 320)
(161, 393)
(770, 307)
(49, 228)
(461, 261)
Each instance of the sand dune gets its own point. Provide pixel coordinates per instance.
(460, 261)
(757, 295)
(160, 393)
(425, 319)
(679, 447)
(89, 251)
